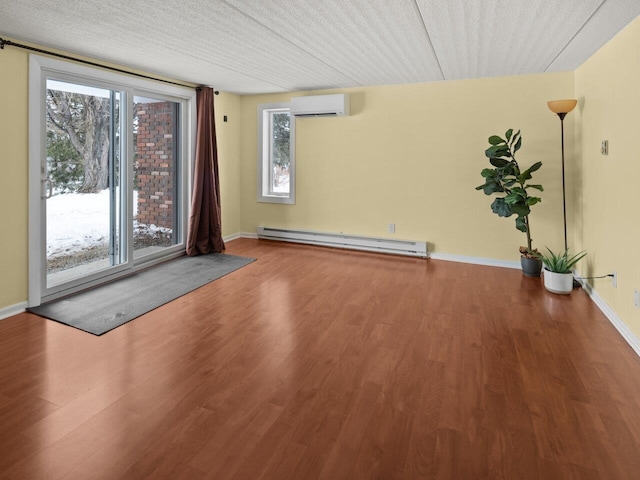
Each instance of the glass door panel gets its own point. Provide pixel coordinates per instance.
(156, 198)
(81, 184)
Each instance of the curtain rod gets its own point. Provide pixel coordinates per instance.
(4, 42)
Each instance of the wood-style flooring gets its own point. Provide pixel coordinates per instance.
(318, 363)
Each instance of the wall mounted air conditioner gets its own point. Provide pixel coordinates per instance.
(320, 105)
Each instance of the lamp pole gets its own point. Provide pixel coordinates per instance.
(561, 108)
(564, 195)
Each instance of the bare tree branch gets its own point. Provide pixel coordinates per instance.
(84, 121)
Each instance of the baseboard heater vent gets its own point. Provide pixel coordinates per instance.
(340, 240)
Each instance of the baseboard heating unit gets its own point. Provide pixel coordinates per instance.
(340, 240)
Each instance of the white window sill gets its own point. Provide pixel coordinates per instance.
(276, 199)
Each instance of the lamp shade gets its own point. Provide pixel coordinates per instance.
(562, 106)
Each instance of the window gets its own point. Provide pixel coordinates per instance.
(276, 154)
(109, 167)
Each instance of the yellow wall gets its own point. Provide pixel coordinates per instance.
(228, 136)
(13, 179)
(412, 155)
(14, 167)
(608, 225)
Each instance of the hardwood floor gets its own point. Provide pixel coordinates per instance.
(317, 363)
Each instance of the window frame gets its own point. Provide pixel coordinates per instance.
(264, 194)
(40, 69)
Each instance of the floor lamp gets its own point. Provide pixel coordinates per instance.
(561, 108)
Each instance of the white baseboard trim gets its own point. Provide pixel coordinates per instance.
(235, 236)
(630, 337)
(488, 262)
(12, 310)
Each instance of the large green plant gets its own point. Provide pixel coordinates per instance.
(510, 182)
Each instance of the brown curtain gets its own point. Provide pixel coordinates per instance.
(205, 228)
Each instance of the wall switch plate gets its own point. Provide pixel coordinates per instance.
(392, 228)
(614, 280)
(605, 147)
(636, 298)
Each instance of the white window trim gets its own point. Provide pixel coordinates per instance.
(263, 157)
(39, 68)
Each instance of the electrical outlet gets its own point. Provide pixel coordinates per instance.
(636, 298)
(614, 279)
(604, 149)
(392, 228)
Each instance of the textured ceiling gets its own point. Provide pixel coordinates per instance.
(259, 46)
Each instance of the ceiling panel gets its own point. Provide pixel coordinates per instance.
(370, 41)
(161, 36)
(606, 22)
(250, 46)
(484, 39)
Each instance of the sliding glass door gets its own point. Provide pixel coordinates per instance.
(84, 232)
(108, 171)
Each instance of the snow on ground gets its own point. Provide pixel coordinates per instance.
(76, 221)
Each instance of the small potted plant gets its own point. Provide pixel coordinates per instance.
(558, 277)
(512, 184)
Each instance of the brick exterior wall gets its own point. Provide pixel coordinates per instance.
(155, 163)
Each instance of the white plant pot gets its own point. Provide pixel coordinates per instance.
(561, 283)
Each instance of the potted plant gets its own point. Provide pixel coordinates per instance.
(558, 277)
(512, 184)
